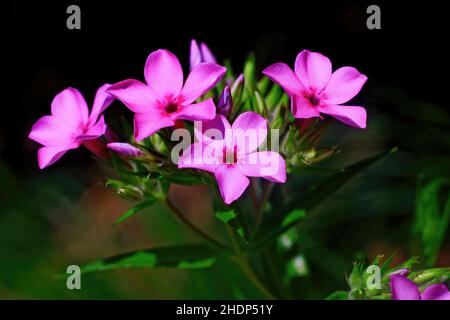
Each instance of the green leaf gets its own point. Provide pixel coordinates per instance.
(190, 256)
(293, 217)
(263, 85)
(311, 198)
(142, 205)
(274, 96)
(338, 295)
(249, 74)
(230, 218)
(431, 218)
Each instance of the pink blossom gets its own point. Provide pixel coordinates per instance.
(164, 99)
(69, 124)
(230, 153)
(404, 289)
(200, 54)
(315, 90)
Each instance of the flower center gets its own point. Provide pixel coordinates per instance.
(230, 156)
(314, 100)
(171, 107)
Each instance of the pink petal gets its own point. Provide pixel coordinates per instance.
(302, 108)
(202, 78)
(51, 154)
(125, 149)
(70, 107)
(95, 131)
(195, 56)
(146, 124)
(266, 164)
(232, 183)
(207, 55)
(199, 156)
(205, 110)
(164, 74)
(313, 69)
(285, 77)
(352, 116)
(51, 131)
(102, 101)
(436, 292)
(249, 132)
(213, 130)
(403, 289)
(345, 83)
(136, 95)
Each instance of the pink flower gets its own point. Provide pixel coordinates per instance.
(404, 289)
(314, 89)
(70, 124)
(230, 153)
(200, 54)
(164, 99)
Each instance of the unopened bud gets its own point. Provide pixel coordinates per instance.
(225, 104)
(130, 192)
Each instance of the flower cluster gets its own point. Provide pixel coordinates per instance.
(167, 101)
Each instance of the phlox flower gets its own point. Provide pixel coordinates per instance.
(200, 54)
(230, 153)
(69, 124)
(315, 90)
(404, 289)
(164, 99)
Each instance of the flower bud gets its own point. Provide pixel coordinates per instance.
(125, 149)
(130, 192)
(237, 84)
(225, 104)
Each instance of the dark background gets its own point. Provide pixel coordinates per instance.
(63, 214)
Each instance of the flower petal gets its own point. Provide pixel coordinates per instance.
(95, 131)
(195, 56)
(207, 55)
(102, 101)
(203, 77)
(302, 109)
(51, 131)
(70, 107)
(146, 124)
(345, 83)
(285, 77)
(50, 154)
(164, 74)
(213, 131)
(249, 132)
(403, 289)
(199, 156)
(125, 149)
(265, 164)
(205, 110)
(313, 69)
(350, 115)
(136, 95)
(232, 183)
(436, 292)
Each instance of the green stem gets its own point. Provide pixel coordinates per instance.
(202, 234)
(259, 208)
(242, 260)
(244, 263)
